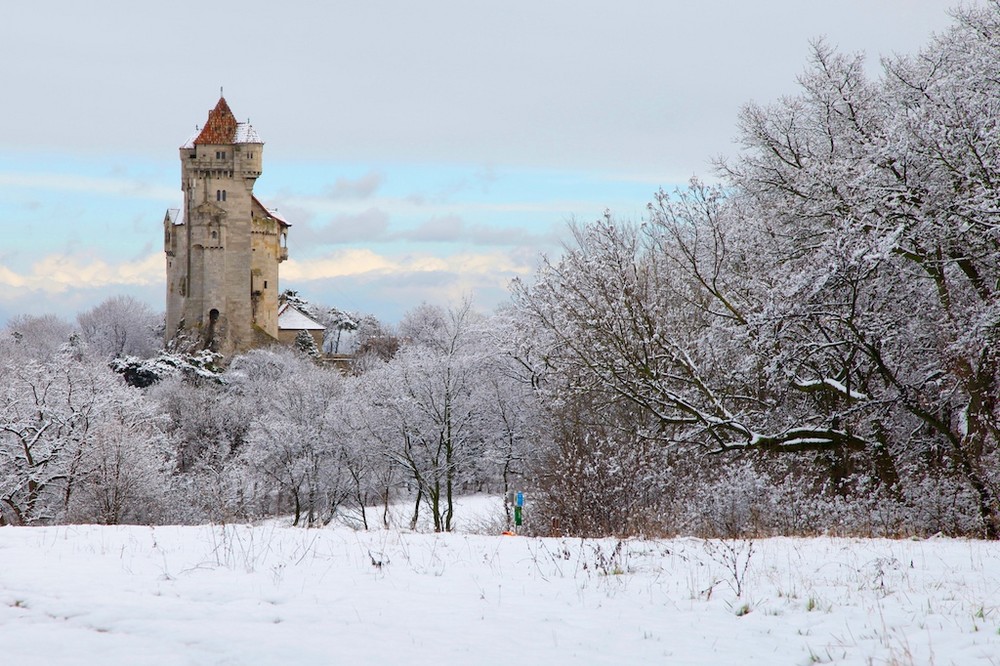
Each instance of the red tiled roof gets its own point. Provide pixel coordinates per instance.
(220, 128)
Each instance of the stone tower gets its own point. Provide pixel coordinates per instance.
(223, 247)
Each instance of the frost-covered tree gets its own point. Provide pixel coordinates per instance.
(122, 473)
(121, 326)
(426, 421)
(374, 478)
(76, 443)
(305, 343)
(297, 443)
(837, 296)
(376, 343)
(880, 200)
(37, 337)
(341, 328)
(516, 427)
(442, 409)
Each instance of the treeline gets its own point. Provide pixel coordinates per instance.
(426, 412)
(808, 347)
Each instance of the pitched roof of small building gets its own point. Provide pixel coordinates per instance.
(222, 128)
(290, 318)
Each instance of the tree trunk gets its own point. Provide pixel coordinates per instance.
(416, 507)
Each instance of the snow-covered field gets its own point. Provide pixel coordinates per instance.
(278, 595)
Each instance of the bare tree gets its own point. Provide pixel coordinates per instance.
(121, 326)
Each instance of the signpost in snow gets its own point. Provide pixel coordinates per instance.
(515, 499)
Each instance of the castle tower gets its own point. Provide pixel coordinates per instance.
(223, 247)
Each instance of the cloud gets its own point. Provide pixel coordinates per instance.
(366, 263)
(481, 234)
(444, 228)
(454, 229)
(360, 279)
(121, 187)
(9, 278)
(339, 264)
(480, 181)
(356, 188)
(422, 206)
(59, 273)
(66, 305)
(364, 281)
(368, 225)
(298, 216)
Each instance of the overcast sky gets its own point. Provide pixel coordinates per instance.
(421, 150)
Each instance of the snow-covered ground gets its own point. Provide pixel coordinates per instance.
(279, 595)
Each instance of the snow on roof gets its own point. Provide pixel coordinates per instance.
(273, 212)
(189, 144)
(245, 133)
(270, 212)
(290, 318)
(175, 215)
